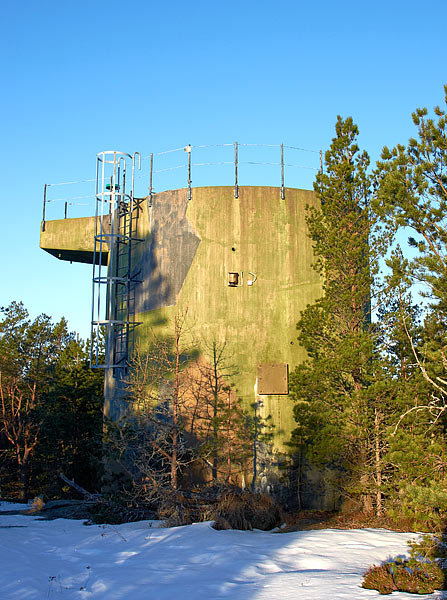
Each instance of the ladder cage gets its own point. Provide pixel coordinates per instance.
(113, 284)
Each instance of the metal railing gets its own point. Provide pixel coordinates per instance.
(235, 164)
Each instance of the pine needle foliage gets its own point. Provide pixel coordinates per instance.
(334, 412)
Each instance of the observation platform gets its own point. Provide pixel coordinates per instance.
(71, 240)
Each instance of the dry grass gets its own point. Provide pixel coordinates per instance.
(314, 519)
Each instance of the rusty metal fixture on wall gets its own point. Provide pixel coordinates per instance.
(233, 279)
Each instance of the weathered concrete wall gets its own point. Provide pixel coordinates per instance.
(185, 264)
(188, 249)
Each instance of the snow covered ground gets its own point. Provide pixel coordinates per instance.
(140, 561)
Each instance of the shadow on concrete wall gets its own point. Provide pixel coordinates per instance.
(168, 254)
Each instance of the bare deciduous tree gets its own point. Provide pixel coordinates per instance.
(21, 428)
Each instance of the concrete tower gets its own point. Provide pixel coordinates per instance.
(240, 266)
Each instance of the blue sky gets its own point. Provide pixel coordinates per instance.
(81, 77)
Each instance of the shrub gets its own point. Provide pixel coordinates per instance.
(379, 578)
(423, 573)
(116, 509)
(176, 511)
(239, 509)
(404, 576)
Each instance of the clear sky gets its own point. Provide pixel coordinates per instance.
(81, 77)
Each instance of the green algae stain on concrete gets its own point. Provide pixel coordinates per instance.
(261, 234)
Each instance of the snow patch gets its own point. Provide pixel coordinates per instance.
(140, 561)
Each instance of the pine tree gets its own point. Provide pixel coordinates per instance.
(395, 384)
(29, 351)
(71, 415)
(413, 195)
(334, 409)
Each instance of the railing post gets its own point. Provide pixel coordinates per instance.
(44, 204)
(283, 193)
(188, 150)
(236, 186)
(150, 179)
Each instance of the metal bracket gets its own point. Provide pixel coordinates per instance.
(251, 281)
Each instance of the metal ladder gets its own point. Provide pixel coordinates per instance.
(113, 284)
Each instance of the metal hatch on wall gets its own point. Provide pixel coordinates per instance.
(273, 379)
